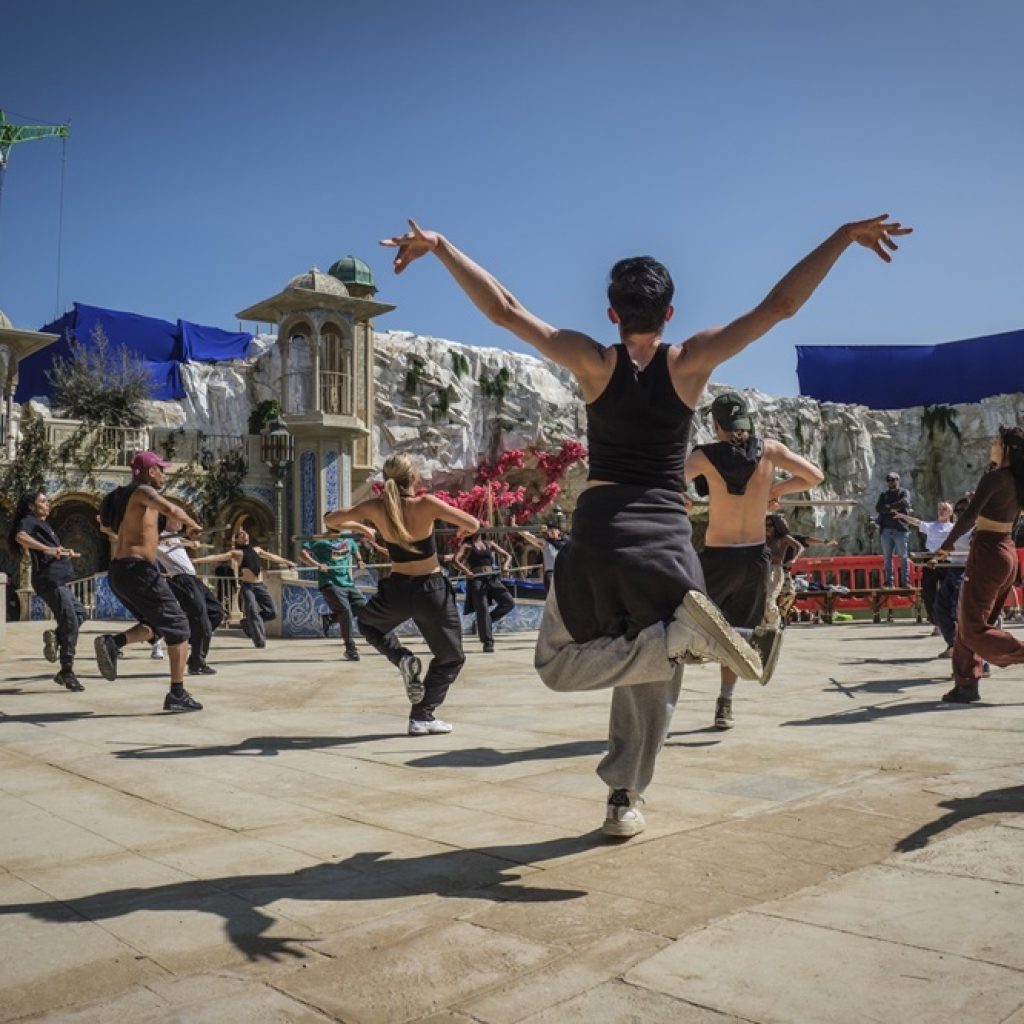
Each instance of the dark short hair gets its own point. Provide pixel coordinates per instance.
(640, 290)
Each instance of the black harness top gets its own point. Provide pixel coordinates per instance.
(638, 428)
(735, 464)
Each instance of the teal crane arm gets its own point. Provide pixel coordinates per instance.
(14, 133)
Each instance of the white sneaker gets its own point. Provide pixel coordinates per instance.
(410, 667)
(157, 651)
(699, 628)
(417, 727)
(622, 815)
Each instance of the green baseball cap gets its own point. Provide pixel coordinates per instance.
(731, 412)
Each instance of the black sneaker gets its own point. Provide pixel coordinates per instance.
(326, 621)
(351, 654)
(966, 693)
(186, 702)
(66, 678)
(410, 667)
(201, 670)
(50, 651)
(106, 656)
(488, 648)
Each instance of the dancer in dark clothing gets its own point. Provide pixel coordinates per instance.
(737, 474)
(477, 561)
(134, 513)
(628, 605)
(52, 571)
(417, 589)
(991, 568)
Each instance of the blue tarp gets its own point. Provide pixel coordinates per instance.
(210, 344)
(161, 345)
(902, 376)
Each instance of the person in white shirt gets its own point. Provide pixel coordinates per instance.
(946, 603)
(204, 612)
(934, 534)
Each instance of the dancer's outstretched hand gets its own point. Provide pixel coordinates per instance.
(877, 234)
(412, 245)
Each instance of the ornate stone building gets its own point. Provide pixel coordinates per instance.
(326, 385)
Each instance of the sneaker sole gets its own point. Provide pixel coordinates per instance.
(768, 666)
(50, 651)
(622, 829)
(179, 710)
(106, 664)
(414, 688)
(741, 657)
(724, 726)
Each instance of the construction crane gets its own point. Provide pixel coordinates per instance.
(11, 134)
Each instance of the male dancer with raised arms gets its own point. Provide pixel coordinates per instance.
(627, 606)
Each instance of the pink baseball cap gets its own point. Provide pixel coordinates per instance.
(146, 460)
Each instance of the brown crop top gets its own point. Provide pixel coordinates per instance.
(995, 498)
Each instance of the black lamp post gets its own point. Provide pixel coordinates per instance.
(277, 451)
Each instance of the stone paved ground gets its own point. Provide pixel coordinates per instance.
(852, 851)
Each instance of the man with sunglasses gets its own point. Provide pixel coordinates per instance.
(892, 503)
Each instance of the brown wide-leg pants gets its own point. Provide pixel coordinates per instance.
(990, 574)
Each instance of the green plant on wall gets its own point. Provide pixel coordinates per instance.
(262, 415)
(938, 419)
(495, 387)
(212, 481)
(32, 463)
(460, 364)
(439, 410)
(414, 374)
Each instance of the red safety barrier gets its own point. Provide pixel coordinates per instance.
(865, 572)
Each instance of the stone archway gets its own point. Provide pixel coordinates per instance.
(73, 517)
(248, 514)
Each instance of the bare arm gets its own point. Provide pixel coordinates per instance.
(351, 518)
(531, 540)
(577, 352)
(226, 556)
(506, 558)
(795, 546)
(152, 498)
(310, 560)
(458, 563)
(710, 348)
(803, 475)
(29, 543)
(276, 559)
(450, 514)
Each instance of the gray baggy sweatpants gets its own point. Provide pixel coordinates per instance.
(646, 690)
(626, 568)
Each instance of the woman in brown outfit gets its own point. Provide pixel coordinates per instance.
(991, 568)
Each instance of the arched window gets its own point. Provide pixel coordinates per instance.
(337, 372)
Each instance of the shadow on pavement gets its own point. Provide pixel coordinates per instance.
(241, 900)
(993, 801)
(889, 685)
(260, 746)
(476, 757)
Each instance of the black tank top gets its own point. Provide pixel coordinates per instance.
(480, 558)
(250, 560)
(638, 428)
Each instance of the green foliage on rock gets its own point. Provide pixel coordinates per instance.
(32, 464)
(263, 414)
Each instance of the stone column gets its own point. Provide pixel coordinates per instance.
(3, 610)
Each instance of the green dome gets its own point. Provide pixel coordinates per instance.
(352, 270)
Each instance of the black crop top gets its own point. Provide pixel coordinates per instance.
(420, 549)
(250, 560)
(480, 558)
(638, 428)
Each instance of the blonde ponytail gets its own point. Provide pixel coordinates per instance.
(399, 475)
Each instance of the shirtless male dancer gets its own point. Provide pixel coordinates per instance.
(737, 474)
(134, 512)
(627, 605)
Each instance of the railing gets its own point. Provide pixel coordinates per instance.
(336, 393)
(85, 590)
(122, 443)
(194, 445)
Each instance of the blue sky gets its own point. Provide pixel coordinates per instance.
(218, 148)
